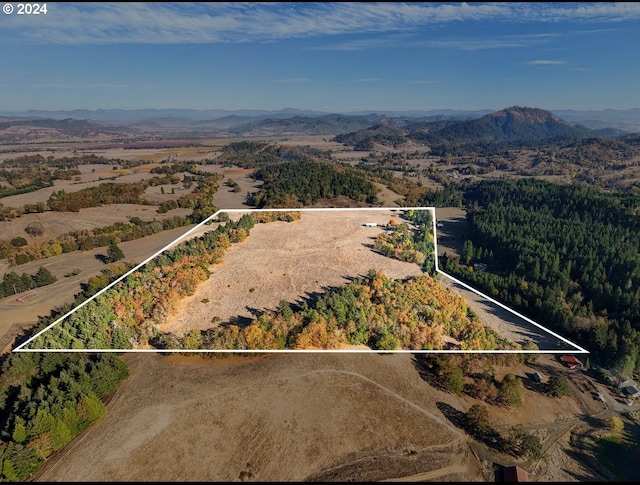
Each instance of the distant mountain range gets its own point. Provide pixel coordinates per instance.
(514, 126)
(624, 121)
(509, 126)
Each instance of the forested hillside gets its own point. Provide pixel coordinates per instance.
(566, 255)
(298, 184)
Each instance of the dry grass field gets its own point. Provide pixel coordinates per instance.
(56, 224)
(286, 417)
(297, 417)
(452, 230)
(289, 261)
(16, 316)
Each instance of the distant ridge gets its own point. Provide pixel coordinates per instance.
(627, 120)
(514, 124)
(438, 127)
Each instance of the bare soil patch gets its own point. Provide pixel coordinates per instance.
(294, 417)
(278, 418)
(288, 261)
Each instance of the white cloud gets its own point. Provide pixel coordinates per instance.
(291, 80)
(367, 80)
(208, 22)
(409, 41)
(546, 62)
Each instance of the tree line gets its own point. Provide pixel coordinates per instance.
(46, 399)
(376, 311)
(12, 283)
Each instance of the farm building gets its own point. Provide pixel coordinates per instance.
(515, 474)
(537, 377)
(570, 361)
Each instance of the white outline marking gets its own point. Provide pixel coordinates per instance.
(242, 351)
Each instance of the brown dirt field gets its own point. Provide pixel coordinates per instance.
(154, 194)
(387, 197)
(278, 418)
(321, 142)
(226, 198)
(561, 466)
(68, 186)
(56, 224)
(159, 154)
(288, 261)
(294, 417)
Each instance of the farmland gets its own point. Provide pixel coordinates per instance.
(166, 409)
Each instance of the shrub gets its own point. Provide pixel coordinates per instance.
(34, 229)
(559, 386)
(615, 423)
(18, 242)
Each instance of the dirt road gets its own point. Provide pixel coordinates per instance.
(504, 322)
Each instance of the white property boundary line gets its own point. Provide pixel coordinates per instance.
(579, 350)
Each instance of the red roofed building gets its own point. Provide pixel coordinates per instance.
(570, 361)
(515, 474)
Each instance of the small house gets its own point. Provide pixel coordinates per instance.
(515, 474)
(479, 266)
(537, 377)
(628, 402)
(631, 391)
(571, 362)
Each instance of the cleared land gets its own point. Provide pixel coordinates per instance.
(279, 418)
(451, 231)
(294, 417)
(300, 260)
(289, 261)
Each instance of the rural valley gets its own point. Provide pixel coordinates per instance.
(79, 216)
(320, 242)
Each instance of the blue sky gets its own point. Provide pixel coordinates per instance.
(335, 57)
